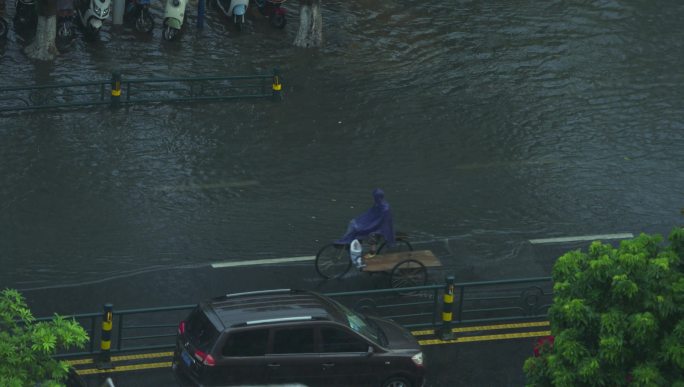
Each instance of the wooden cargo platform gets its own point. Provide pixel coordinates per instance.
(387, 262)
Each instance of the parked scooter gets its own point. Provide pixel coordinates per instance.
(65, 23)
(92, 13)
(235, 10)
(273, 11)
(137, 12)
(174, 12)
(25, 16)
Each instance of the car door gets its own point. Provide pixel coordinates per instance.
(345, 358)
(243, 357)
(293, 358)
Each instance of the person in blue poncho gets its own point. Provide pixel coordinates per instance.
(376, 221)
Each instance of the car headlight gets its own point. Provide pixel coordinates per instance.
(418, 359)
(105, 12)
(97, 10)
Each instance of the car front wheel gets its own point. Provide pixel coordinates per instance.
(396, 381)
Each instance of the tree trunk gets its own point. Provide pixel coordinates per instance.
(43, 46)
(310, 32)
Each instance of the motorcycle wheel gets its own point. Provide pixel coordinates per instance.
(239, 22)
(3, 28)
(278, 21)
(169, 33)
(144, 23)
(64, 31)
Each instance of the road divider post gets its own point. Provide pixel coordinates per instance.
(445, 332)
(104, 360)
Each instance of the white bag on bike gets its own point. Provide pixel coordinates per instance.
(355, 251)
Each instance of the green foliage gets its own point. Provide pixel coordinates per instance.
(27, 346)
(648, 375)
(617, 316)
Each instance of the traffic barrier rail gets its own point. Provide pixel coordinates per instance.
(472, 302)
(120, 90)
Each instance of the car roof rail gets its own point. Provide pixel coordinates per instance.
(281, 319)
(256, 292)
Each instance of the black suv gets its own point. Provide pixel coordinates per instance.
(292, 337)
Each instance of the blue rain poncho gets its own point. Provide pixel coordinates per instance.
(376, 220)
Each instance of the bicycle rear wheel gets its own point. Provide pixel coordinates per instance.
(408, 273)
(332, 261)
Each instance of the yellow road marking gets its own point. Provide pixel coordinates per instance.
(506, 336)
(79, 361)
(486, 328)
(167, 364)
(124, 357)
(134, 367)
(142, 356)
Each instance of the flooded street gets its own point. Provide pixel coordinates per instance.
(487, 124)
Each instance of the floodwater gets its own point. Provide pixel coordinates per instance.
(487, 123)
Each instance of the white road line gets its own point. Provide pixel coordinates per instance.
(625, 235)
(262, 261)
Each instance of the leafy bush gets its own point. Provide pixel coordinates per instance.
(27, 346)
(617, 317)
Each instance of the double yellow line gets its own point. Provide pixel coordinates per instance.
(484, 328)
(145, 365)
(153, 360)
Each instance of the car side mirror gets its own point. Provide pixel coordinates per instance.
(371, 350)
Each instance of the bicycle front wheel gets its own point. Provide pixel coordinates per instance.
(332, 261)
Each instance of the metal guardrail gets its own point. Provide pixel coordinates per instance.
(416, 307)
(121, 91)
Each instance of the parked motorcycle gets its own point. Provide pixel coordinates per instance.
(174, 12)
(137, 12)
(235, 10)
(273, 11)
(65, 23)
(25, 15)
(92, 13)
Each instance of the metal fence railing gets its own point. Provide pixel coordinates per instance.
(416, 307)
(122, 91)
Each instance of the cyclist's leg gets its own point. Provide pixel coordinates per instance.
(373, 243)
(373, 240)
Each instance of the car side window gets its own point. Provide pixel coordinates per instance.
(293, 340)
(337, 340)
(246, 343)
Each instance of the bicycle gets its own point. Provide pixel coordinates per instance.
(405, 266)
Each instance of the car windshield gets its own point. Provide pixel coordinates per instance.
(359, 323)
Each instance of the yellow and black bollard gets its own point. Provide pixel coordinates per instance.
(105, 358)
(116, 89)
(445, 332)
(277, 86)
